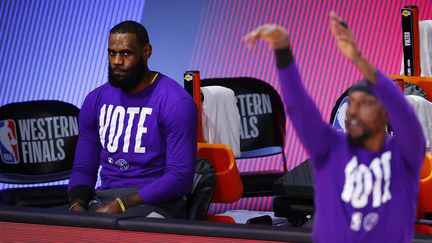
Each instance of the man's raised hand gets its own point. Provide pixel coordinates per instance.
(344, 37)
(276, 36)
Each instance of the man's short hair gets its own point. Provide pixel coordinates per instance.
(130, 26)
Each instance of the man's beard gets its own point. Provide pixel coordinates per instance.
(129, 81)
(359, 140)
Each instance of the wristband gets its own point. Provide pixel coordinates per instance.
(73, 205)
(357, 58)
(120, 202)
(284, 57)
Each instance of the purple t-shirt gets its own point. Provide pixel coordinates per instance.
(145, 140)
(360, 195)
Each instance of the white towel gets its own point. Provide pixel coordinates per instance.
(220, 117)
(425, 32)
(423, 109)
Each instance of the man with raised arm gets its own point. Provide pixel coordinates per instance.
(366, 181)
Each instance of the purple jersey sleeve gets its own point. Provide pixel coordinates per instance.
(408, 133)
(179, 126)
(312, 131)
(86, 162)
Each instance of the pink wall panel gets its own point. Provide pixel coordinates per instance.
(219, 51)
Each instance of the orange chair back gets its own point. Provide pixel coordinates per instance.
(425, 190)
(423, 82)
(229, 186)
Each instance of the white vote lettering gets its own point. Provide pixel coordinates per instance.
(114, 120)
(363, 181)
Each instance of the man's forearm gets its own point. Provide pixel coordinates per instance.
(365, 67)
(81, 194)
(132, 200)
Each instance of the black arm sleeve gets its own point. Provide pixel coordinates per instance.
(284, 57)
(81, 193)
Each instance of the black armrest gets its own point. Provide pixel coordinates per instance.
(258, 184)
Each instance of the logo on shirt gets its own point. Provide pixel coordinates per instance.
(8, 142)
(364, 185)
(122, 164)
(368, 222)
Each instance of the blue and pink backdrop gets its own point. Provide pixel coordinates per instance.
(57, 49)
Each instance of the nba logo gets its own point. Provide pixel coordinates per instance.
(9, 142)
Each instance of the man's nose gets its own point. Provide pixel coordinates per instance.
(117, 60)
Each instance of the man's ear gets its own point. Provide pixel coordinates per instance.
(147, 51)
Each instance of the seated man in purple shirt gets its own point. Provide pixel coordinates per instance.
(366, 181)
(140, 128)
